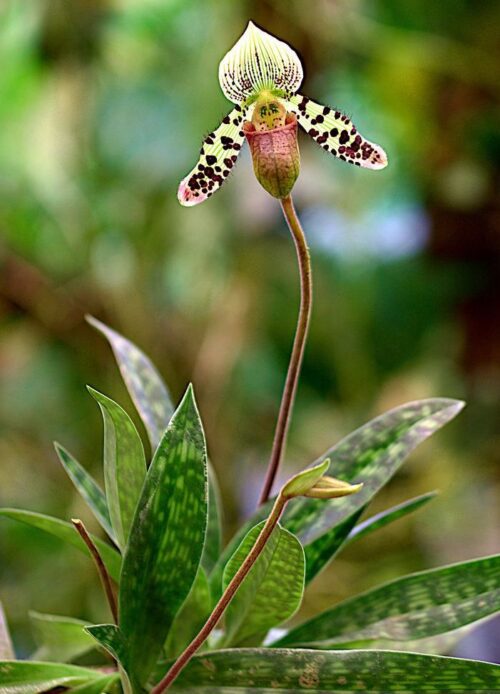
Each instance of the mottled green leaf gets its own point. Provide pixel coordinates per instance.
(103, 684)
(59, 638)
(88, 488)
(389, 516)
(335, 672)
(272, 590)
(166, 538)
(191, 617)
(441, 644)
(124, 465)
(29, 677)
(215, 577)
(213, 538)
(371, 455)
(143, 382)
(110, 638)
(6, 648)
(414, 607)
(66, 531)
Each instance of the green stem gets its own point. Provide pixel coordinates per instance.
(226, 598)
(290, 389)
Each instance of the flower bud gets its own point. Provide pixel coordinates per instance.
(275, 154)
(314, 483)
(303, 481)
(332, 488)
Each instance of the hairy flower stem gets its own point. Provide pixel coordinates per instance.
(299, 342)
(107, 584)
(226, 598)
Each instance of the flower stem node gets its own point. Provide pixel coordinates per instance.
(275, 155)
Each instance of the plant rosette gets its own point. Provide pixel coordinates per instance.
(189, 615)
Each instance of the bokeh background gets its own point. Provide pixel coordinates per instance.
(103, 105)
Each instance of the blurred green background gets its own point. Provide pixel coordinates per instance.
(103, 105)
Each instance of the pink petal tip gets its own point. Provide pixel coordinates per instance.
(186, 197)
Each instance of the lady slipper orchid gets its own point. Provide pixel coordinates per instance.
(262, 75)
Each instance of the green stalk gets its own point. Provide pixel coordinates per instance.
(290, 389)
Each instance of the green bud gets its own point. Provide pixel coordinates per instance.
(332, 488)
(301, 483)
(314, 484)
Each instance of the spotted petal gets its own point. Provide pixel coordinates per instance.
(218, 155)
(336, 133)
(258, 62)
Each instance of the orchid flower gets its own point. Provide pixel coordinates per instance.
(262, 76)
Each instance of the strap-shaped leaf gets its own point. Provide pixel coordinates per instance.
(66, 532)
(104, 684)
(191, 617)
(380, 520)
(143, 382)
(441, 644)
(166, 539)
(29, 677)
(271, 592)
(6, 648)
(325, 548)
(59, 638)
(336, 672)
(88, 488)
(371, 455)
(213, 539)
(124, 465)
(414, 607)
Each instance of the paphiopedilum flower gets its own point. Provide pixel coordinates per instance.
(262, 76)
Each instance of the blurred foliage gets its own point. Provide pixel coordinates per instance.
(103, 107)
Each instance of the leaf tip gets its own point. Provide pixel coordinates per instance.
(91, 320)
(188, 402)
(96, 323)
(99, 397)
